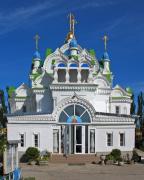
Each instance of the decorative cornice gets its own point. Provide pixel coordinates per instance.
(73, 87)
(110, 118)
(17, 118)
(97, 119)
(120, 99)
(39, 90)
(103, 91)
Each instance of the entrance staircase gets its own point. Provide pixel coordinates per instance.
(139, 152)
(74, 158)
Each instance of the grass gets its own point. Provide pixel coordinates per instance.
(29, 178)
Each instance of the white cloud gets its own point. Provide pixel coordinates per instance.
(18, 17)
(97, 4)
(13, 20)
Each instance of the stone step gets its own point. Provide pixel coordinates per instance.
(74, 158)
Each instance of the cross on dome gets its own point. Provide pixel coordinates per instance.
(36, 40)
(72, 23)
(105, 39)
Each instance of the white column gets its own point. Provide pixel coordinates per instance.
(67, 75)
(107, 107)
(90, 77)
(12, 156)
(83, 139)
(55, 75)
(69, 139)
(55, 141)
(60, 140)
(79, 75)
(92, 141)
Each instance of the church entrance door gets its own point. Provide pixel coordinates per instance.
(78, 139)
(73, 139)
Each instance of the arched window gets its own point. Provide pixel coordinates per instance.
(61, 65)
(85, 65)
(74, 114)
(73, 65)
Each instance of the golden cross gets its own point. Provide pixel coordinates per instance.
(37, 40)
(105, 38)
(72, 22)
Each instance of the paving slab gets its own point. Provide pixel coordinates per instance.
(84, 172)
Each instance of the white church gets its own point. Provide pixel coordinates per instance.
(71, 106)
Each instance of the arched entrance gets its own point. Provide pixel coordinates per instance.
(74, 130)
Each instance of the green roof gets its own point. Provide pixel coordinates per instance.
(11, 90)
(129, 90)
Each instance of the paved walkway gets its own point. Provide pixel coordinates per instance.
(85, 172)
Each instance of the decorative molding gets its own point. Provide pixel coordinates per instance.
(120, 100)
(75, 99)
(39, 90)
(24, 117)
(73, 87)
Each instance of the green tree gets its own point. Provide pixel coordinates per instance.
(2, 101)
(3, 119)
(140, 111)
(3, 109)
(3, 142)
(133, 106)
(10, 90)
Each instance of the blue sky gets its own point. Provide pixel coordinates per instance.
(121, 20)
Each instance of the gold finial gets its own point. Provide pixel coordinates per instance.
(105, 39)
(36, 40)
(72, 22)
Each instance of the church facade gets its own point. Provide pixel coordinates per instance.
(71, 106)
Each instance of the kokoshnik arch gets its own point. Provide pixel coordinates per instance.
(71, 106)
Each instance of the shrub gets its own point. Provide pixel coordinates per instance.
(24, 158)
(109, 157)
(119, 159)
(45, 155)
(141, 147)
(31, 154)
(116, 153)
(135, 157)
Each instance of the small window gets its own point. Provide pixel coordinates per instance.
(22, 140)
(122, 139)
(117, 110)
(36, 143)
(125, 110)
(24, 108)
(109, 139)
